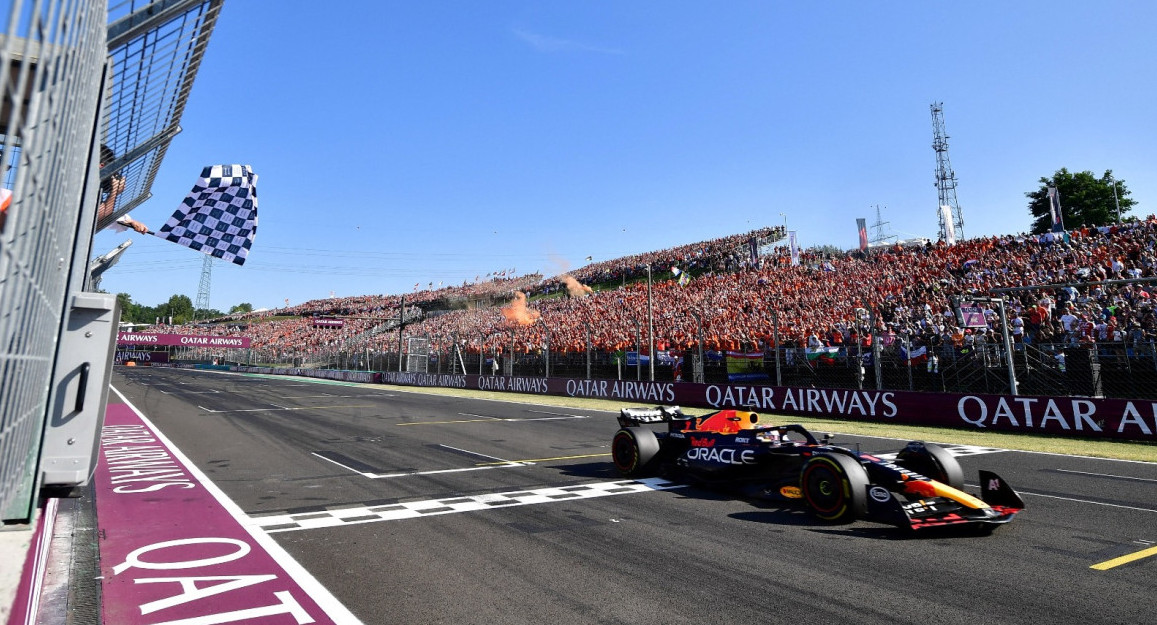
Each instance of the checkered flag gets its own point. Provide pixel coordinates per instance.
(219, 216)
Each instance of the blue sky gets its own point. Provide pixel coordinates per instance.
(415, 142)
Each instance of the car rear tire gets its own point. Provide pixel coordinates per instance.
(633, 450)
(835, 488)
(932, 460)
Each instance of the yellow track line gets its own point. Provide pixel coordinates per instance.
(481, 464)
(1108, 564)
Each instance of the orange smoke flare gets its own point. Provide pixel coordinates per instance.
(574, 287)
(517, 313)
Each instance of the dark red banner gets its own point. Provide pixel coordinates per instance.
(1085, 417)
(141, 356)
(182, 340)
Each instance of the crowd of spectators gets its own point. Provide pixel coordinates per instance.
(727, 254)
(735, 304)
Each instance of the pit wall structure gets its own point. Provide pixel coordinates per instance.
(1073, 417)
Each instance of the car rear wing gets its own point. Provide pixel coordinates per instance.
(630, 417)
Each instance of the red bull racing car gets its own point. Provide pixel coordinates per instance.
(922, 488)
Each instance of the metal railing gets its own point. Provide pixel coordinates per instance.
(1113, 369)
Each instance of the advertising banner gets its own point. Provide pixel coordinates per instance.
(123, 356)
(182, 340)
(328, 323)
(1084, 417)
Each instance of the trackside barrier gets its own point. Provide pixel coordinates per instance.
(1073, 417)
(369, 377)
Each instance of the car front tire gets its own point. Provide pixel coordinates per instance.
(835, 488)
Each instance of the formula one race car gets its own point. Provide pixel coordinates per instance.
(923, 487)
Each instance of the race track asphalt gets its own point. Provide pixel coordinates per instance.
(545, 537)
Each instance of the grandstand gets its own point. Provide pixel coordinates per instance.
(900, 298)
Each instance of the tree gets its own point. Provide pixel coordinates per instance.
(1085, 200)
(179, 307)
(204, 314)
(243, 307)
(128, 307)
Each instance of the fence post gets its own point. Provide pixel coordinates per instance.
(1007, 347)
(697, 367)
(908, 359)
(481, 351)
(588, 327)
(650, 332)
(775, 339)
(638, 347)
(877, 351)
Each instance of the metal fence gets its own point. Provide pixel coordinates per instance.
(92, 95)
(1115, 369)
(52, 57)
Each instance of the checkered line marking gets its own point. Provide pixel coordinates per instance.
(396, 512)
(955, 450)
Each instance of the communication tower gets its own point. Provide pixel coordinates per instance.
(878, 235)
(945, 177)
(203, 287)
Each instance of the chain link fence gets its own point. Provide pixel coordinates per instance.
(1111, 369)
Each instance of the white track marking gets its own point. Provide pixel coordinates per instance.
(559, 414)
(480, 416)
(1119, 477)
(474, 453)
(276, 409)
(1073, 499)
(341, 465)
(451, 505)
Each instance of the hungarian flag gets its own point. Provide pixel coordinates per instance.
(825, 355)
